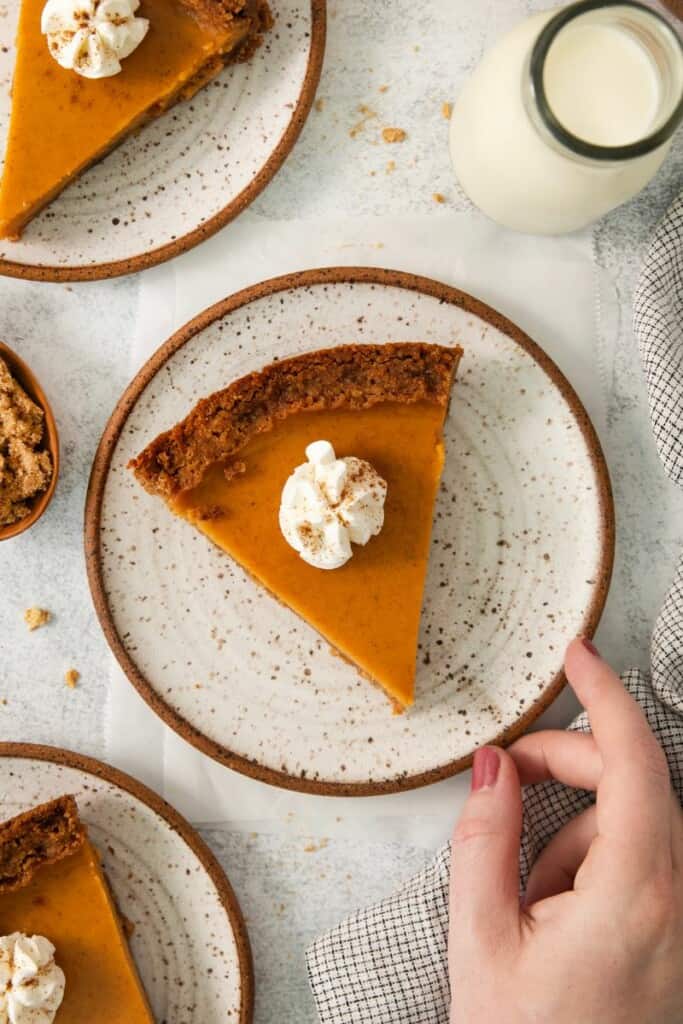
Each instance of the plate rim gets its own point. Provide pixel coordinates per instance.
(112, 431)
(179, 825)
(153, 257)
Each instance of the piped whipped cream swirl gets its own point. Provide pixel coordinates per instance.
(92, 37)
(329, 503)
(31, 983)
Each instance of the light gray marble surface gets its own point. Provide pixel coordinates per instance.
(77, 339)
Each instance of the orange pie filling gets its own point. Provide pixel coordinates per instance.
(369, 609)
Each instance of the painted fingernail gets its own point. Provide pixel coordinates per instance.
(591, 648)
(485, 768)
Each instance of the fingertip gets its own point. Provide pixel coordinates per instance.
(495, 786)
(490, 756)
(485, 768)
(581, 650)
(581, 661)
(610, 706)
(503, 781)
(508, 766)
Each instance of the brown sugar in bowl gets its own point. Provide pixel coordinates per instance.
(29, 382)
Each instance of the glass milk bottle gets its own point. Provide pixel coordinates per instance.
(569, 115)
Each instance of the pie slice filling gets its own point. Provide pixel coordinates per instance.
(61, 122)
(224, 468)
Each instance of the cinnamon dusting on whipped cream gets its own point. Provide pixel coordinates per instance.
(329, 503)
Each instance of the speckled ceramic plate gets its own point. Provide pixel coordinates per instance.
(189, 942)
(521, 552)
(184, 175)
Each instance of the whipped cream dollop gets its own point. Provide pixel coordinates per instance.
(92, 37)
(31, 983)
(329, 503)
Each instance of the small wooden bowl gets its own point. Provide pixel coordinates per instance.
(21, 373)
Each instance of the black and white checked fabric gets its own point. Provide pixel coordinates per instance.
(387, 964)
(658, 322)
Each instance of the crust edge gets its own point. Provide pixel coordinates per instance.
(347, 376)
(36, 838)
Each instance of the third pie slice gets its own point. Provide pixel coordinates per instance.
(52, 885)
(223, 468)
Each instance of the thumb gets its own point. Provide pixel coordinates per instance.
(484, 894)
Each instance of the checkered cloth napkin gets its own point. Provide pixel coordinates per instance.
(387, 964)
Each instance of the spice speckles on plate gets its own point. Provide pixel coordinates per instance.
(520, 560)
(184, 175)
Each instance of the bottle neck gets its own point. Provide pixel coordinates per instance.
(646, 35)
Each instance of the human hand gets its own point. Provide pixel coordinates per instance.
(599, 939)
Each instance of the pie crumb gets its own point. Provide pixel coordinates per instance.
(36, 617)
(438, 197)
(393, 134)
(316, 847)
(71, 678)
(320, 105)
(367, 115)
(384, 88)
(446, 110)
(391, 166)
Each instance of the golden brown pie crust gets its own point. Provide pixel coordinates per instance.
(219, 11)
(346, 377)
(222, 13)
(251, 16)
(41, 836)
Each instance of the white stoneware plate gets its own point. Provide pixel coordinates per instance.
(189, 942)
(521, 552)
(184, 175)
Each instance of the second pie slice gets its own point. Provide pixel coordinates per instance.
(62, 123)
(223, 468)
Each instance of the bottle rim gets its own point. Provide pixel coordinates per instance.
(558, 131)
